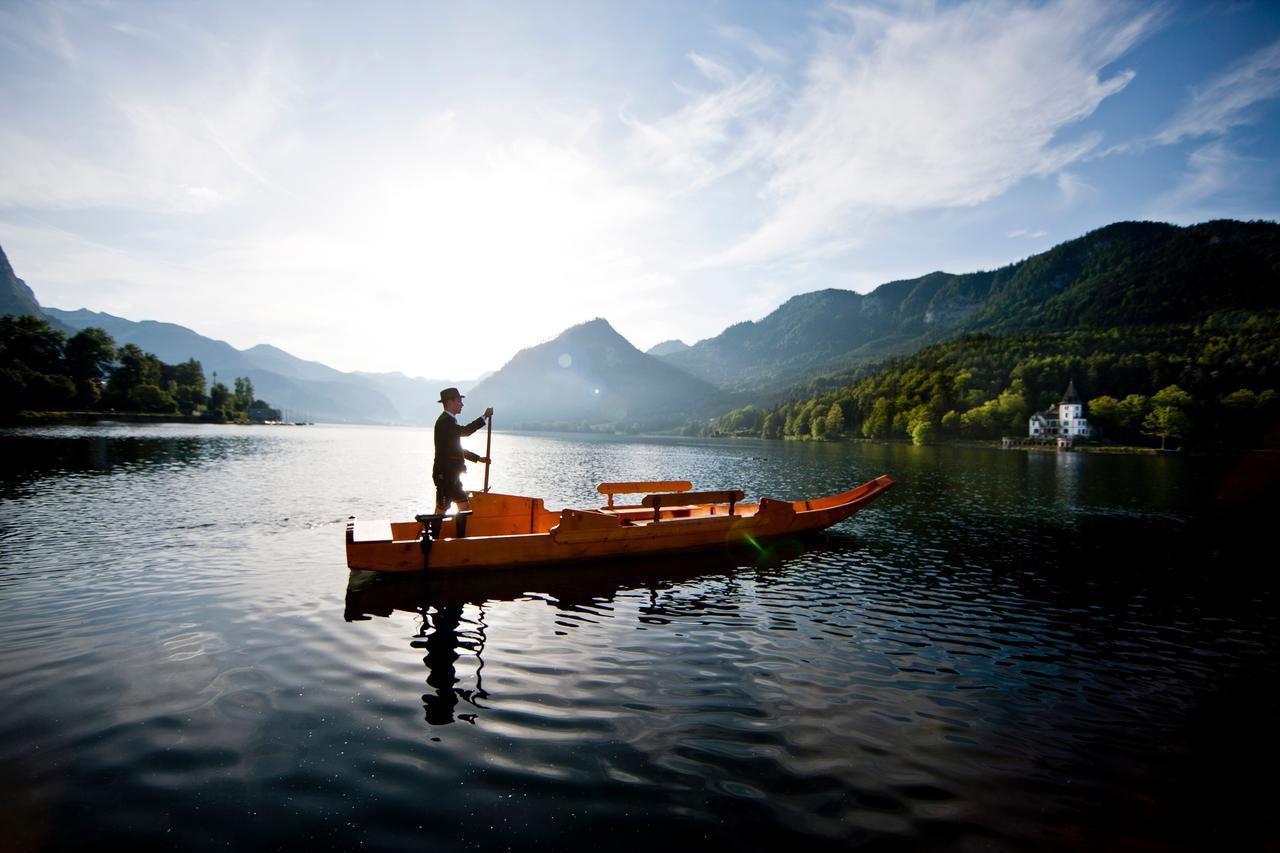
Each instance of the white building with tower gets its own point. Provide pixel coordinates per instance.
(1065, 418)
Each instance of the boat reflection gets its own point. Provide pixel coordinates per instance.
(444, 604)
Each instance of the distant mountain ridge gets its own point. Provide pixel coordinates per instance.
(667, 348)
(1125, 274)
(1129, 273)
(304, 388)
(590, 375)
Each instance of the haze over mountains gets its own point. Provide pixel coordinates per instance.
(1126, 274)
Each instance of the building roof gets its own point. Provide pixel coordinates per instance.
(1069, 396)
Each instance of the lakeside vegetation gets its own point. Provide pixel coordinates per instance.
(43, 370)
(1211, 384)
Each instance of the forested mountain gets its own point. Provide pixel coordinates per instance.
(591, 376)
(1126, 274)
(1213, 383)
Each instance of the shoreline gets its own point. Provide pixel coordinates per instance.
(29, 418)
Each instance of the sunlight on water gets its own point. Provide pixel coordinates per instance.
(1008, 650)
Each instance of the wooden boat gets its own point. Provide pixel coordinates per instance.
(510, 531)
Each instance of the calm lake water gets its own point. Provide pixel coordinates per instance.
(1007, 651)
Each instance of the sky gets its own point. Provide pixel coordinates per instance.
(428, 187)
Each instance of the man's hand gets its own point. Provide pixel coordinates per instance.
(488, 413)
(484, 460)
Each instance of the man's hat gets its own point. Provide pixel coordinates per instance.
(449, 394)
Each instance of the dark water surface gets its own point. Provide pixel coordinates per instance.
(1007, 651)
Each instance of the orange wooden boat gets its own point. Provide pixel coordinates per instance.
(509, 531)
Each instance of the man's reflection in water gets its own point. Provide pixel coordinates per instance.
(447, 632)
(441, 635)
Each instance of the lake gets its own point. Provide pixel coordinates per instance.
(1007, 651)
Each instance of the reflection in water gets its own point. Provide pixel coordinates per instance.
(446, 634)
(1010, 652)
(442, 642)
(104, 451)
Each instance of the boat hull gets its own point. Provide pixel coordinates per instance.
(510, 531)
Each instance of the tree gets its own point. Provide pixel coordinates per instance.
(153, 399)
(187, 385)
(243, 397)
(134, 368)
(879, 422)
(89, 356)
(32, 367)
(32, 342)
(1168, 417)
(922, 433)
(834, 421)
(1172, 396)
(1166, 422)
(219, 408)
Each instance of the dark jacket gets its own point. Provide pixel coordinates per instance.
(451, 458)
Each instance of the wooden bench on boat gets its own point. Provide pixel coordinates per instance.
(642, 487)
(671, 498)
(682, 503)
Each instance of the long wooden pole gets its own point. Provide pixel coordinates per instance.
(488, 443)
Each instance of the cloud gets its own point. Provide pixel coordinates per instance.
(1073, 188)
(190, 144)
(751, 41)
(1212, 169)
(1228, 100)
(906, 108)
(714, 135)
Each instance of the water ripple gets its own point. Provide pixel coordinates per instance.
(1004, 653)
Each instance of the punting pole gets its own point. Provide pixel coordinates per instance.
(488, 443)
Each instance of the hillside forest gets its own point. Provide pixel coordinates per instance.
(42, 369)
(1212, 384)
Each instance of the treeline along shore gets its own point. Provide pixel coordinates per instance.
(1210, 384)
(46, 375)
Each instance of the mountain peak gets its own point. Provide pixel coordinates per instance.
(667, 348)
(15, 296)
(589, 374)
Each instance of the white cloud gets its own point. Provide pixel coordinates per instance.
(714, 135)
(185, 145)
(1228, 100)
(1073, 188)
(1211, 170)
(913, 108)
(754, 44)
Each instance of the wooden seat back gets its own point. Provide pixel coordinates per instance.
(726, 496)
(636, 488)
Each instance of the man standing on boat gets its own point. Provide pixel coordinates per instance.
(451, 458)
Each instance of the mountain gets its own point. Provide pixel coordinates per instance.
(1129, 273)
(417, 400)
(18, 299)
(303, 388)
(588, 376)
(667, 348)
(15, 296)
